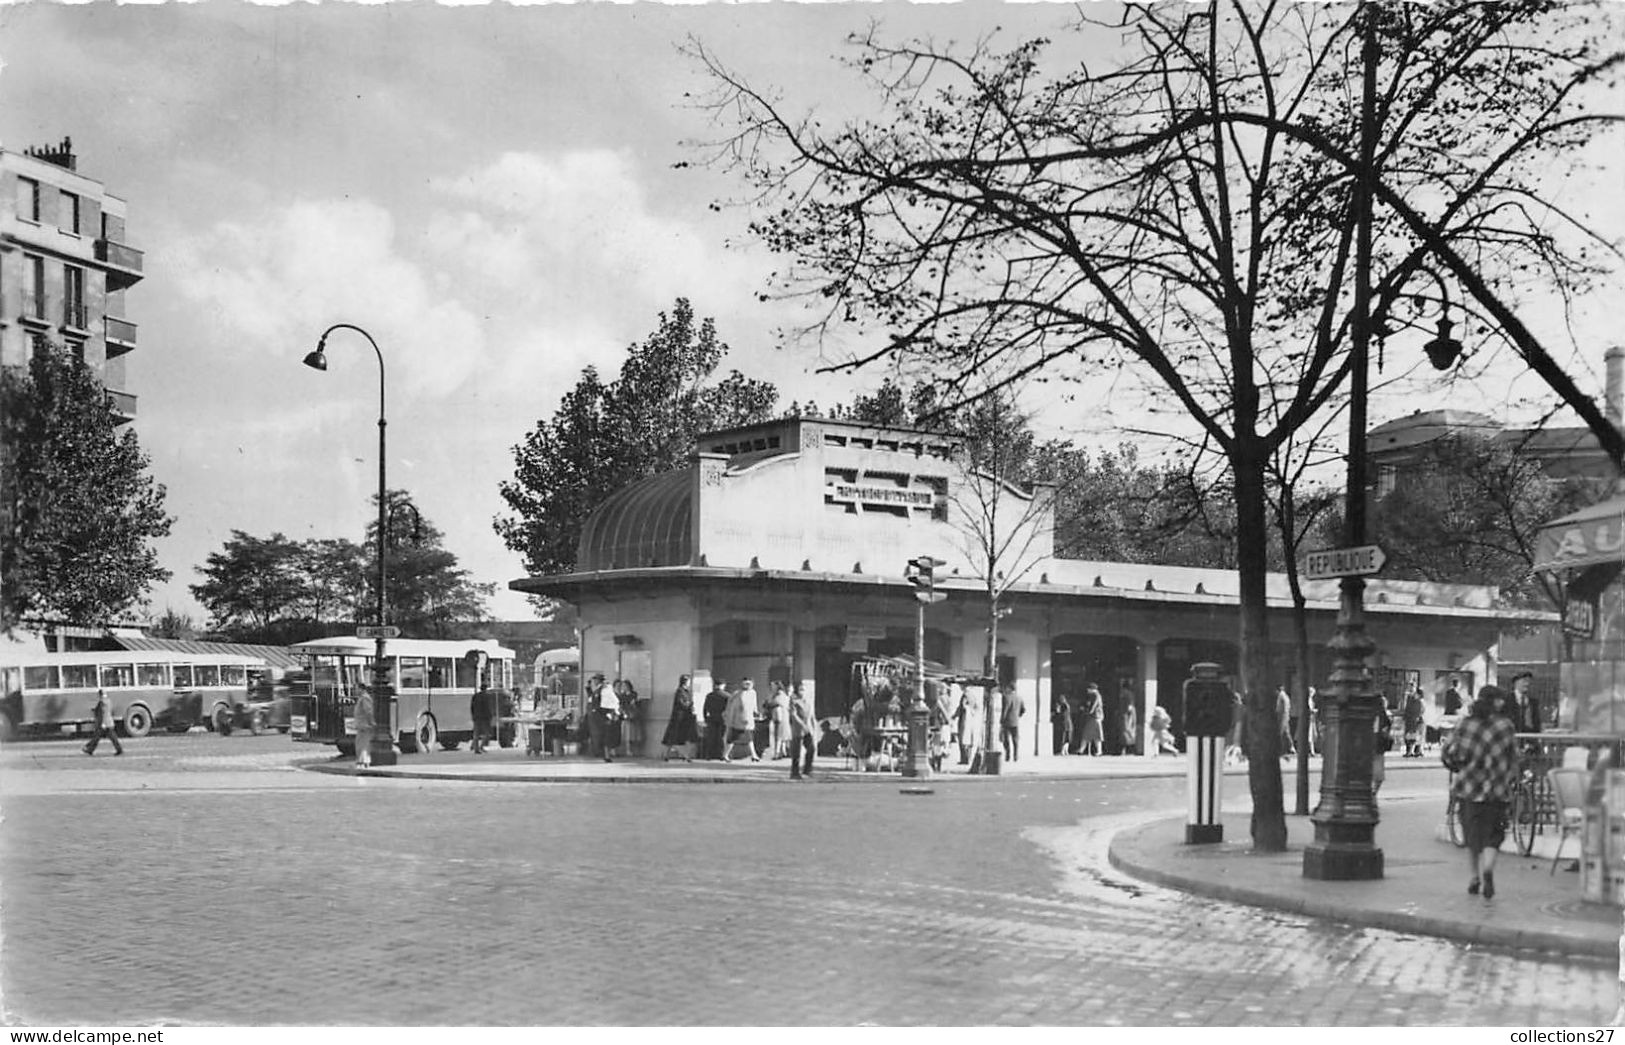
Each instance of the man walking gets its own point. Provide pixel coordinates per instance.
(1010, 729)
(802, 733)
(103, 714)
(1283, 716)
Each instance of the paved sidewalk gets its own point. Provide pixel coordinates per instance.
(1423, 890)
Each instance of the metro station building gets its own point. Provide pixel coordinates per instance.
(779, 554)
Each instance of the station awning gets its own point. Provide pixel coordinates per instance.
(1589, 537)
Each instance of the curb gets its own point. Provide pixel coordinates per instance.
(1477, 934)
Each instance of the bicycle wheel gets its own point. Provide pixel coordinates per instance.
(1524, 814)
(1452, 819)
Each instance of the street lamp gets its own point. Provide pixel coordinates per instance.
(1344, 847)
(381, 743)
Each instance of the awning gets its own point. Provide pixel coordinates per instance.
(1589, 537)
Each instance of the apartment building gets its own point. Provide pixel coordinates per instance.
(64, 267)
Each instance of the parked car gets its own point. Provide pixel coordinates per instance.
(264, 706)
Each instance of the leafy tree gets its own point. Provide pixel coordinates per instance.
(1194, 215)
(80, 510)
(276, 590)
(1470, 514)
(603, 437)
(251, 585)
(173, 625)
(426, 591)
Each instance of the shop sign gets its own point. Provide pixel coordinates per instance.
(887, 496)
(1581, 543)
(1580, 618)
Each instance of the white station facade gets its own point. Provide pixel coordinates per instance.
(779, 554)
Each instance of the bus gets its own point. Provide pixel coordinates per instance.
(433, 681)
(55, 693)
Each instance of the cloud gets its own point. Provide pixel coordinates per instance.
(277, 281)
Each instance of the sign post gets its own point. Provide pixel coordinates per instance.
(1326, 563)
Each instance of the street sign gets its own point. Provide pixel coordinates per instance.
(377, 631)
(1342, 562)
(930, 596)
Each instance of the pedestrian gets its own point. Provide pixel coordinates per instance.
(1080, 717)
(743, 711)
(1162, 736)
(803, 730)
(1283, 718)
(363, 727)
(101, 714)
(715, 712)
(604, 717)
(1010, 722)
(969, 714)
(776, 709)
(1411, 716)
(630, 730)
(1060, 716)
(1482, 753)
(1235, 753)
(1523, 708)
(1312, 702)
(1452, 699)
(938, 725)
(681, 729)
(1094, 720)
(1382, 724)
(482, 708)
(1129, 724)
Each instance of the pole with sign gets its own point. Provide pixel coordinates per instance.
(1326, 563)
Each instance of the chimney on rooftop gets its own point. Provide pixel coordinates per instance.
(61, 155)
(1613, 389)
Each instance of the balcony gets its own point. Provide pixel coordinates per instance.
(120, 336)
(122, 404)
(123, 263)
(75, 316)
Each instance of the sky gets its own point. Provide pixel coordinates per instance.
(491, 192)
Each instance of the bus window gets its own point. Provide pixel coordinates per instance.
(78, 676)
(152, 674)
(414, 672)
(234, 674)
(183, 676)
(468, 673)
(206, 674)
(118, 675)
(40, 678)
(440, 672)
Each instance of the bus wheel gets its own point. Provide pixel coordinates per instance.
(222, 720)
(137, 721)
(428, 733)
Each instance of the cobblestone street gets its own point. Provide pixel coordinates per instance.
(235, 891)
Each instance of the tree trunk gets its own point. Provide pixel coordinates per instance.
(1262, 731)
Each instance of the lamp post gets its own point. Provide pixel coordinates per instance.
(381, 743)
(1344, 847)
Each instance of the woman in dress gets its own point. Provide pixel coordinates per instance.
(969, 714)
(681, 729)
(1094, 720)
(776, 709)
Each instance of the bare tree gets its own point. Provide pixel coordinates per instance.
(1183, 216)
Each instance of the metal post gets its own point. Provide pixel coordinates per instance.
(1345, 820)
(381, 745)
(917, 764)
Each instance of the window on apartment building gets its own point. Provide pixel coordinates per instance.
(73, 296)
(28, 199)
(33, 286)
(69, 220)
